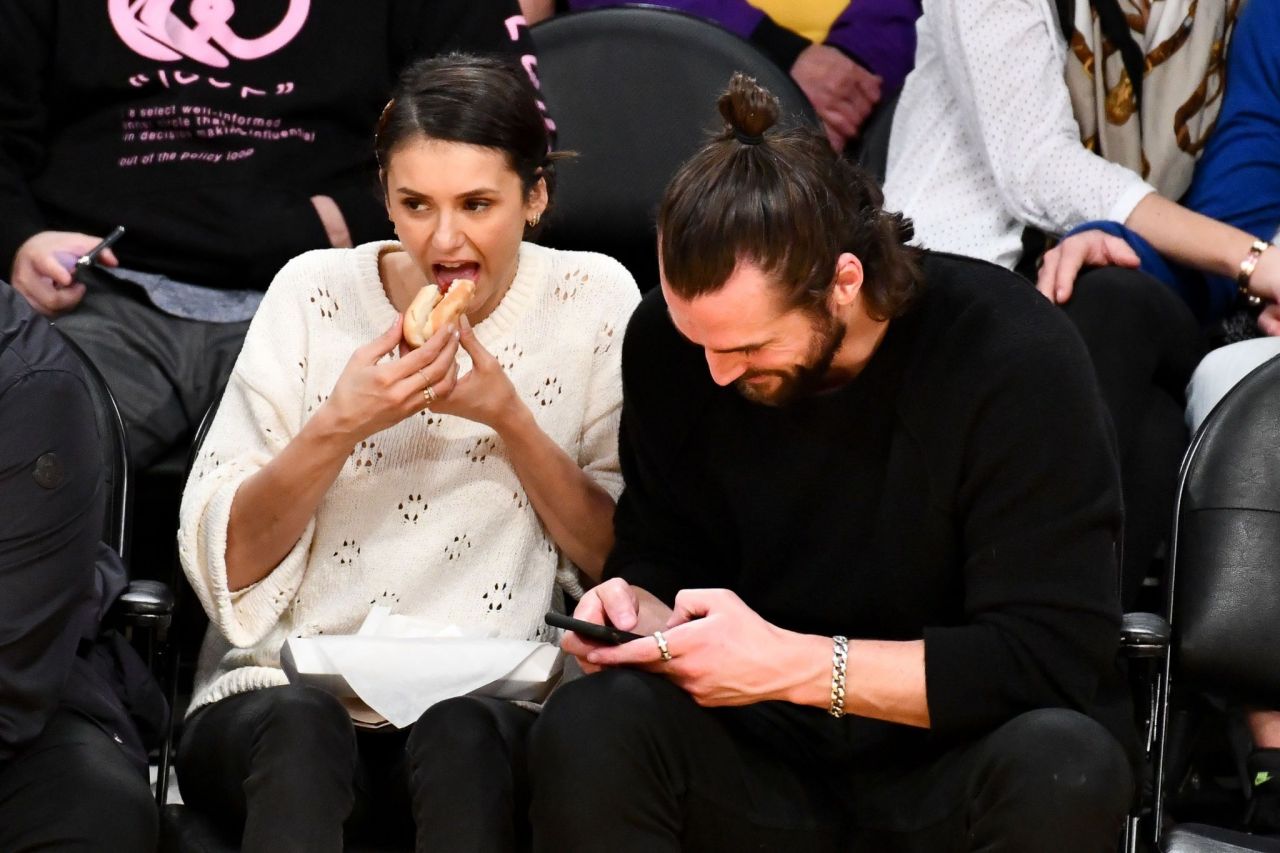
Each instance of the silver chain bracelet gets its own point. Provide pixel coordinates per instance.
(839, 661)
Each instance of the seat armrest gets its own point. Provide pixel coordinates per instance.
(1144, 635)
(144, 603)
(1197, 838)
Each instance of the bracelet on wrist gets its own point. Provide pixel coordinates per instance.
(1247, 266)
(839, 662)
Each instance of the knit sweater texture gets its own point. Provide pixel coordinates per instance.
(428, 517)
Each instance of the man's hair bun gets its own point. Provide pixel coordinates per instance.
(748, 108)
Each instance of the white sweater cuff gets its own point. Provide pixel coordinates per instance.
(1128, 200)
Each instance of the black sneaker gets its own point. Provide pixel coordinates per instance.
(1263, 815)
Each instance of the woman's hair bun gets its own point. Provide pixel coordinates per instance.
(749, 108)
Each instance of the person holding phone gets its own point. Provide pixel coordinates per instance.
(870, 530)
(469, 481)
(228, 137)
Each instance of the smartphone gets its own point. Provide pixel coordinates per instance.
(600, 633)
(90, 257)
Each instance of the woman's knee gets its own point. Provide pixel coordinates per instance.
(464, 726)
(303, 720)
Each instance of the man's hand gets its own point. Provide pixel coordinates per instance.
(621, 605)
(724, 653)
(42, 269)
(841, 90)
(1062, 263)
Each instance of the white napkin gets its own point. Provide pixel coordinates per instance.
(399, 666)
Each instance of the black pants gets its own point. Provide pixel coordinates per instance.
(163, 371)
(285, 768)
(73, 789)
(625, 761)
(1144, 343)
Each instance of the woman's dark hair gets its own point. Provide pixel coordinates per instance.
(476, 100)
(784, 201)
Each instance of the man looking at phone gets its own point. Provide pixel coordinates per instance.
(827, 434)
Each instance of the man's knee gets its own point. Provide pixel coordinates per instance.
(1058, 762)
(601, 720)
(613, 706)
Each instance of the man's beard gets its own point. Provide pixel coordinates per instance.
(803, 379)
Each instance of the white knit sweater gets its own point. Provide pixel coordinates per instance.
(428, 517)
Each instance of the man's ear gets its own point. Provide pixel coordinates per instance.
(849, 278)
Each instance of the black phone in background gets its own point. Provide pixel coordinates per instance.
(86, 261)
(599, 633)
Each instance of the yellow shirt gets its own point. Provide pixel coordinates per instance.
(810, 18)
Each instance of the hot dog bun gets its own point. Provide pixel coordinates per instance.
(429, 311)
(419, 315)
(451, 308)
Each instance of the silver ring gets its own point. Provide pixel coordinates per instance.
(662, 645)
(429, 394)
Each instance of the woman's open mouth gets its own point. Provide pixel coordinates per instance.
(445, 274)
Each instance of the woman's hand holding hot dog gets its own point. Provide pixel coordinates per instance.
(485, 393)
(372, 394)
(271, 509)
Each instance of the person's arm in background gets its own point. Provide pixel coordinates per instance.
(537, 10)
(865, 58)
(835, 79)
(35, 259)
(1234, 197)
(49, 531)
(1006, 59)
(881, 36)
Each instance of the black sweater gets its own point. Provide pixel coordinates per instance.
(963, 488)
(209, 154)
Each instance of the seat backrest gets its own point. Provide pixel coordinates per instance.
(873, 146)
(1225, 564)
(114, 450)
(633, 91)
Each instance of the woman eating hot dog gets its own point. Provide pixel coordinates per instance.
(463, 477)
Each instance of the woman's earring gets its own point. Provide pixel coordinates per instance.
(533, 223)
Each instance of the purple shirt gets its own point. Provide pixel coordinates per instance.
(879, 34)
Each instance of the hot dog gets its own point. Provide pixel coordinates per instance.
(429, 310)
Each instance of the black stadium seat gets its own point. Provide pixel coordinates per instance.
(633, 91)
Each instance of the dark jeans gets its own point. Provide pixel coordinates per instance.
(1144, 343)
(285, 768)
(625, 761)
(73, 789)
(163, 371)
